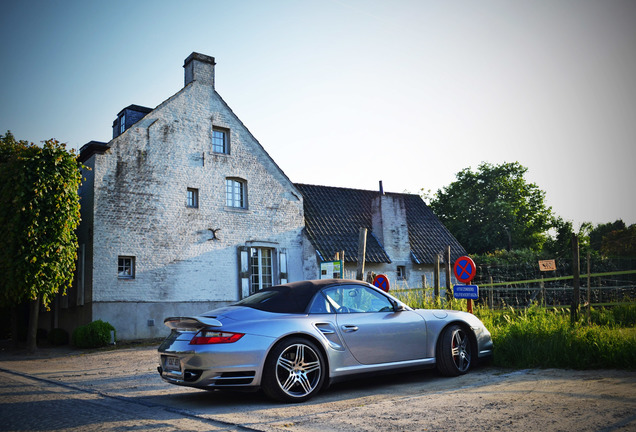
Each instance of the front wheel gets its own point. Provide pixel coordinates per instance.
(294, 371)
(454, 351)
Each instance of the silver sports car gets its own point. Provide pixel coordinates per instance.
(292, 340)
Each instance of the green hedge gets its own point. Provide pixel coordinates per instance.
(93, 335)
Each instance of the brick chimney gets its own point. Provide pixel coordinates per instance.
(199, 68)
(389, 224)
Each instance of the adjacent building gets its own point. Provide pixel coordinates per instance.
(404, 237)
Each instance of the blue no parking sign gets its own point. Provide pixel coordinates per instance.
(465, 269)
(382, 282)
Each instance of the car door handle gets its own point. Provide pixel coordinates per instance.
(349, 328)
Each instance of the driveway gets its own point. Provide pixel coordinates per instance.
(121, 390)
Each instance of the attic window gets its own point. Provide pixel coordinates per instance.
(220, 141)
(122, 123)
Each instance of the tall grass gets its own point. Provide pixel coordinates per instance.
(545, 338)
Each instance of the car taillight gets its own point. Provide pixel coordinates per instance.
(205, 337)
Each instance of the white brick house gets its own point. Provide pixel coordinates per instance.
(181, 212)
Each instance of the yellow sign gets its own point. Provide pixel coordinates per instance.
(547, 265)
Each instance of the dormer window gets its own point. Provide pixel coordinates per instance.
(122, 123)
(220, 141)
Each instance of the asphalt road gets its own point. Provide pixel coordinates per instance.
(120, 390)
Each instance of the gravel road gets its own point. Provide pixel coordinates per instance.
(486, 399)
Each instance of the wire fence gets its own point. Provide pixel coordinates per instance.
(610, 281)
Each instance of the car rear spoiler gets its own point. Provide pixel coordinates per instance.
(194, 323)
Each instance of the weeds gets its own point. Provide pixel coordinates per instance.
(545, 337)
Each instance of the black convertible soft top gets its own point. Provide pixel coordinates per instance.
(293, 297)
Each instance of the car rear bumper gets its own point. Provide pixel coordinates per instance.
(231, 365)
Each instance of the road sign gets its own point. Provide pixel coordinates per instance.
(464, 269)
(382, 282)
(470, 292)
(547, 265)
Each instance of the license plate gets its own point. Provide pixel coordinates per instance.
(172, 363)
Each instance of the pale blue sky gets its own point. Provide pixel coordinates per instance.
(347, 93)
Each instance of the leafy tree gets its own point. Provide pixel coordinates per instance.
(560, 244)
(601, 230)
(39, 212)
(620, 242)
(494, 208)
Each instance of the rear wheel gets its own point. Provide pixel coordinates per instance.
(294, 371)
(454, 351)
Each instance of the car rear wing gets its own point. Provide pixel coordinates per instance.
(191, 323)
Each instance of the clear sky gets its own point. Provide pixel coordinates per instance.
(347, 93)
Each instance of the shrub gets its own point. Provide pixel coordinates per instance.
(93, 335)
(58, 336)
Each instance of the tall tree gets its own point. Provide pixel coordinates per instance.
(494, 208)
(39, 212)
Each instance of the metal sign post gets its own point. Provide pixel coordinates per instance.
(465, 271)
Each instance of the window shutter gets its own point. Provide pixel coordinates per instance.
(243, 272)
(282, 260)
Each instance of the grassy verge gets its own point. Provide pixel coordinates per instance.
(545, 338)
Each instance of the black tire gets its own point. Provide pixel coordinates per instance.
(294, 371)
(454, 351)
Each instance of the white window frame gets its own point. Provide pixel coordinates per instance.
(235, 193)
(125, 267)
(224, 146)
(261, 262)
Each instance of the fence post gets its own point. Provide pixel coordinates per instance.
(543, 302)
(574, 311)
(362, 251)
(589, 288)
(436, 277)
(449, 287)
(490, 294)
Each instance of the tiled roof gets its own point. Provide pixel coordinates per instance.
(334, 216)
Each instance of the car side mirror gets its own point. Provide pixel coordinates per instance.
(397, 307)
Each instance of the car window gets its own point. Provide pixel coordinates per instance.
(321, 305)
(356, 299)
(279, 299)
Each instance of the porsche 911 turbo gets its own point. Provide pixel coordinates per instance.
(292, 340)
